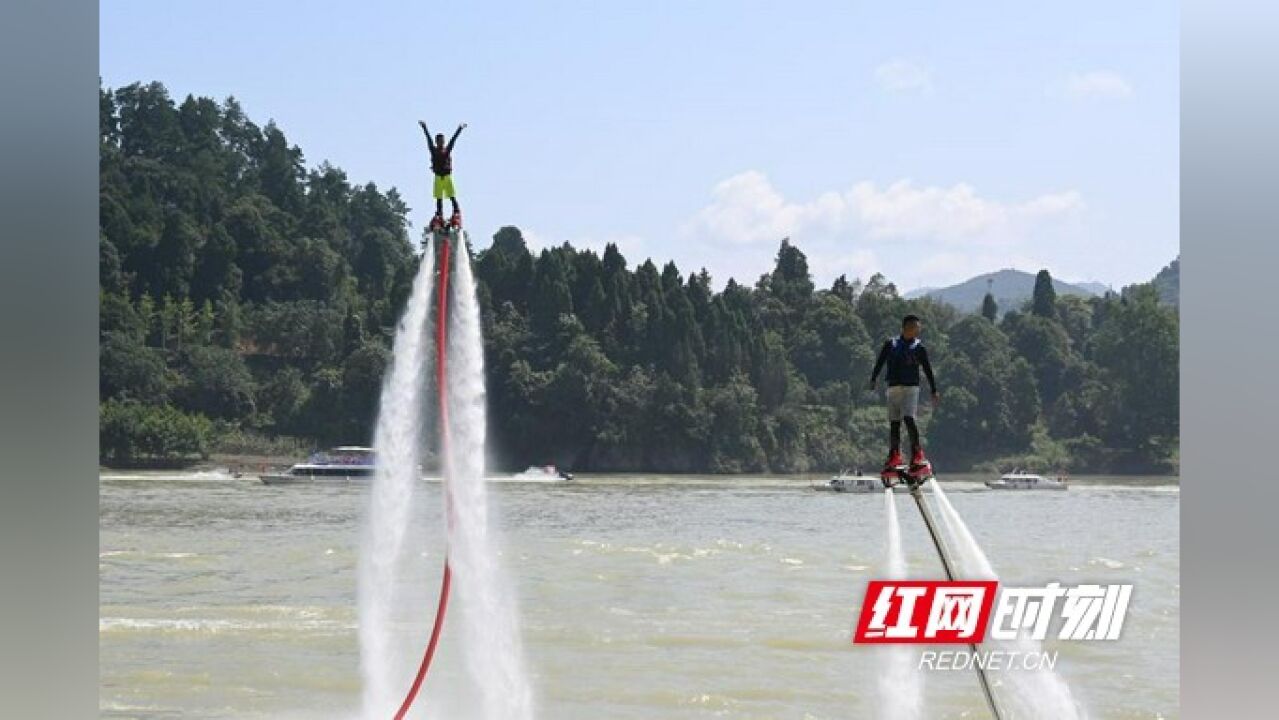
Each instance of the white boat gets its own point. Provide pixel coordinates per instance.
(346, 463)
(858, 483)
(543, 473)
(1018, 480)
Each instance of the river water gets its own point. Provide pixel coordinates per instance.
(640, 596)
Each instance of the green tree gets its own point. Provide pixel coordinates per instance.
(880, 307)
(1044, 299)
(991, 400)
(131, 433)
(831, 344)
(734, 433)
(128, 370)
(790, 281)
(1044, 344)
(989, 308)
(1137, 346)
(361, 387)
(551, 296)
(282, 398)
(217, 384)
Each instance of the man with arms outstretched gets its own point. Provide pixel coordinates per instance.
(442, 166)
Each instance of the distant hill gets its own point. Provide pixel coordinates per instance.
(1094, 288)
(1010, 287)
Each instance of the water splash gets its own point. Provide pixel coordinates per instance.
(492, 646)
(900, 684)
(384, 662)
(1026, 693)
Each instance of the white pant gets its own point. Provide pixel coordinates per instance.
(903, 401)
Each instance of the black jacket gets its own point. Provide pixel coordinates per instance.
(904, 359)
(441, 158)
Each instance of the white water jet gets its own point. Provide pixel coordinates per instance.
(490, 621)
(1029, 693)
(900, 684)
(398, 442)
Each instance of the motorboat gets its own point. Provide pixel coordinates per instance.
(1018, 480)
(855, 483)
(346, 463)
(543, 473)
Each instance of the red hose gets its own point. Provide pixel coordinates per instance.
(441, 336)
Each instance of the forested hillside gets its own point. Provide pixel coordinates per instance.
(248, 298)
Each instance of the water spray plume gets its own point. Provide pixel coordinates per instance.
(490, 620)
(900, 684)
(1040, 693)
(398, 442)
(490, 635)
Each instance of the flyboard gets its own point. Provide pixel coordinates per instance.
(914, 479)
(444, 240)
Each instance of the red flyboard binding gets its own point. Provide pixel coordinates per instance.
(437, 223)
(921, 470)
(456, 221)
(894, 469)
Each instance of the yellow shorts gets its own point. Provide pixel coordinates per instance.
(444, 187)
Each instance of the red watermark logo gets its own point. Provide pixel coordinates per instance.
(960, 611)
(925, 611)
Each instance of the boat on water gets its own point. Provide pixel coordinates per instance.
(855, 483)
(1018, 480)
(346, 463)
(543, 473)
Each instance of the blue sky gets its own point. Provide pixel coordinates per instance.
(927, 141)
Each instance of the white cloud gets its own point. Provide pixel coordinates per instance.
(747, 209)
(849, 231)
(956, 214)
(900, 75)
(1097, 85)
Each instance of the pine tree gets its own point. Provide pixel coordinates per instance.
(989, 308)
(1044, 302)
(204, 324)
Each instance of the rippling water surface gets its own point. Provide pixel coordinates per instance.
(641, 597)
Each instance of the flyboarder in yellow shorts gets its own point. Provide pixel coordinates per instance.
(442, 166)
